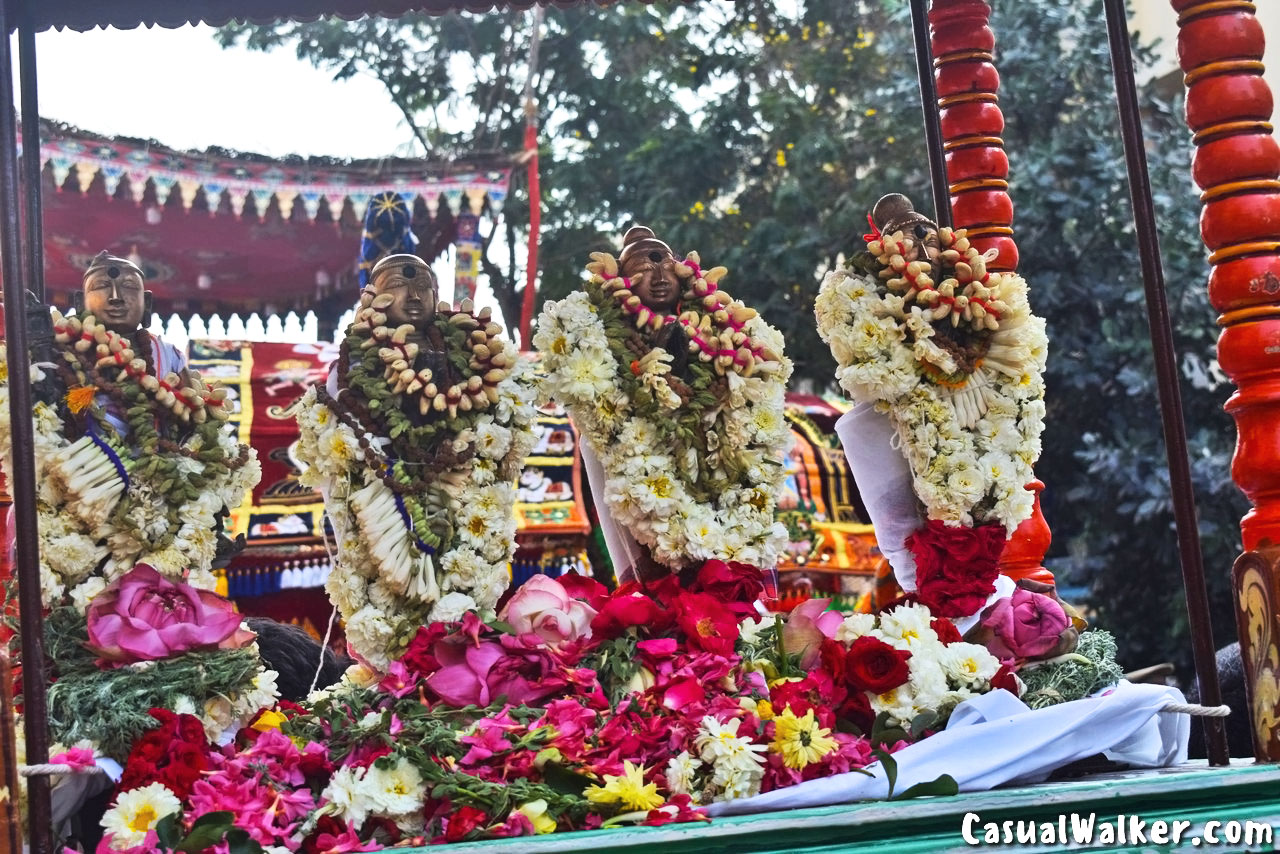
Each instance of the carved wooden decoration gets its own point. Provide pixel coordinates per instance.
(969, 105)
(1237, 166)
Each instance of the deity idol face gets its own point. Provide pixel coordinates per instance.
(409, 280)
(114, 294)
(895, 212)
(651, 267)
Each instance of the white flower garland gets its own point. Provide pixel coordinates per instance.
(382, 583)
(73, 541)
(970, 437)
(685, 506)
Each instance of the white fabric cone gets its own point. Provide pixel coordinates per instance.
(885, 484)
(624, 551)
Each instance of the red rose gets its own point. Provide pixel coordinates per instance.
(738, 585)
(946, 630)
(709, 626)
(1005, 679)
(587, 589)
(856, 709)
(832, 655)
(463, 821)
(174, 753)
(665, 589)
(627, 607)
(956, 567)
(872, 665)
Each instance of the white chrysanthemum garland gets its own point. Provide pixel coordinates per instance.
(92, 533)
(970, 432)
(384, 583)
(692, 477)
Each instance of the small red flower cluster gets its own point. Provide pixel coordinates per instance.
(956, 567)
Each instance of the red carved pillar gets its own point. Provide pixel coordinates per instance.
(969, 111)
(968, 87)
(1237, 166)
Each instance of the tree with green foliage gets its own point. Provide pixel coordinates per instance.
(761, 136)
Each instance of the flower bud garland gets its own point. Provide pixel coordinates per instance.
(418, 471)
(956, 363)
(694, 461)
(109, 499)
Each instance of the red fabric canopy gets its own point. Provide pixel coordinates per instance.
(222, 232)
(248, 265)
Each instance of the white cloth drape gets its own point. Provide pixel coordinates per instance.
(996, 739)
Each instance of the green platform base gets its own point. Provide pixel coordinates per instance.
(1193, 793)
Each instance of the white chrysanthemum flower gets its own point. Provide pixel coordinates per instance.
(967, 665)
(462, 567)
(751, 630)
(452, 606)
(908, 627)
(717, 741)
(586, 373)
(136, 812)
(492, 440)
(262, 694)
(348, 794)
(395, 791)
(680, 773)
(84, 592)
(855, 626)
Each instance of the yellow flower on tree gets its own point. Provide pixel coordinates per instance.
(628, 789)
(799, 740)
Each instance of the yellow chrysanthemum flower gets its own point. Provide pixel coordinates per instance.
(799, 740)
(628, 789)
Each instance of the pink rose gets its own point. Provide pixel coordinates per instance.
(543, 607)
(144, 616)
(1024, 625)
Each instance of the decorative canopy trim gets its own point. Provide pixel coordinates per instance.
(474, 183)
(128, 14)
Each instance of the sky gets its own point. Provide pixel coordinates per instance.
(182, 89)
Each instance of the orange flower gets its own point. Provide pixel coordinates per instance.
(80, 397)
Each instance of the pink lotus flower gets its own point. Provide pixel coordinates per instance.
(481, 673)
(806, 627)
(1025, 625)
(144, 616)
(543, 607)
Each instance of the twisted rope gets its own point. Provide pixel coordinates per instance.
(1198, 711)
(48, 769)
